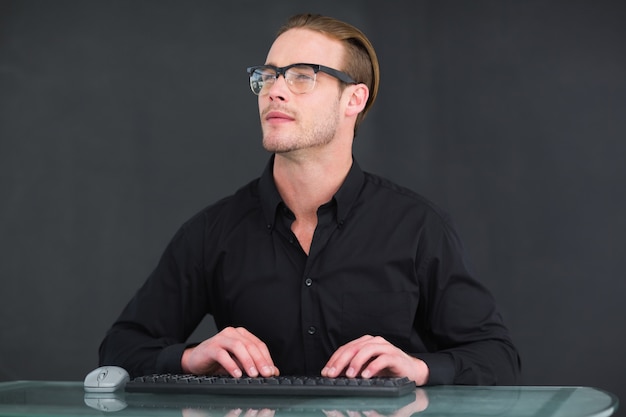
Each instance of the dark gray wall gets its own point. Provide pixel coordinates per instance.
(120, 119)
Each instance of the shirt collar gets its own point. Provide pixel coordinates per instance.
(345, 196)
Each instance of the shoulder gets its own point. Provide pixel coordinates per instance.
(431, 227)
(227, 211)
(397, 197)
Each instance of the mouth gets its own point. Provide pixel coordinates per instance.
(275, 116)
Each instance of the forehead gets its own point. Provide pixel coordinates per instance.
(306, 46)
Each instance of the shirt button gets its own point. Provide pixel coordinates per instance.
(312, 330)
(308, 282)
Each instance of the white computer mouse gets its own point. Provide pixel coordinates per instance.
(106, 379)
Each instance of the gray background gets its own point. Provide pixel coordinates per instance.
(121, 119)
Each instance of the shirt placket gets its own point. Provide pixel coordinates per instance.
(312, 323)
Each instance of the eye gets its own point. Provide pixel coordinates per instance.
(267, 76)
(302, 78)
(301, 74)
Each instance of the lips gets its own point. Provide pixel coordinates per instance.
(277, 116)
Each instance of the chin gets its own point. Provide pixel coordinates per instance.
(273, 145)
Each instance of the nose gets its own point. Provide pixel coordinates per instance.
(278, 90)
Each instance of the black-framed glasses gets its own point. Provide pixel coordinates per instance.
(300, 78)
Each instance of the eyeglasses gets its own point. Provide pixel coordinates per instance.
(300, 78)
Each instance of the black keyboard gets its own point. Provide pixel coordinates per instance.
(280, 385)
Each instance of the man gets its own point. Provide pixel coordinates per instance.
(316, 267)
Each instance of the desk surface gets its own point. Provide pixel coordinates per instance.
(39, 398)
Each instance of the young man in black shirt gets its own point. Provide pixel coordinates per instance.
(316, 267)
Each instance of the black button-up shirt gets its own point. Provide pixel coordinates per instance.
(383, 261)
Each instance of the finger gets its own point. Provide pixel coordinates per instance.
(364, 353)
(240, 351)
(377, 358)
(337, 363)
(248, 351)
(261, 359)
(392, 361)
(228, 350)
(226, 361)
(381, 365)
(342, 357)
(261, 356)
(209, 357)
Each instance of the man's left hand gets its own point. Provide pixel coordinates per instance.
(370, 356)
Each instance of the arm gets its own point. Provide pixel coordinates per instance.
(468, 341)
(465, 339)
(150, 334)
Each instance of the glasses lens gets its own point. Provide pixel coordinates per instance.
(300, 78)
(261, 78)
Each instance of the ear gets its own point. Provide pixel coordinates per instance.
(357, 99)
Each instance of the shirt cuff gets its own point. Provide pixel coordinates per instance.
(440, 368)
(169, 360)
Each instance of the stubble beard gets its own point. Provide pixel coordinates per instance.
(316, 134)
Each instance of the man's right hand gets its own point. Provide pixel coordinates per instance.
(233, 351)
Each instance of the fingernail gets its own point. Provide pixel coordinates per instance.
(267, 370)
(366, 374)
(252, 371)
(237, 373)
(350, 372)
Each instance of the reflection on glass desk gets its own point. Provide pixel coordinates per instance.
(38, 398)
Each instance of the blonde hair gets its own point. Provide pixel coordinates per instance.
(361, 63)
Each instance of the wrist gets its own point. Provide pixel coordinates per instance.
(184, 361)
(421, 372)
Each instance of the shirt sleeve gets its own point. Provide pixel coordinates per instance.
(150, 334)
(469, 342)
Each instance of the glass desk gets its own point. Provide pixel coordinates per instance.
(38, 398)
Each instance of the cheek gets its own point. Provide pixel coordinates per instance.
(261, 104)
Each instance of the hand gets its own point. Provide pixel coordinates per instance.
(232, 351)
(370, 356)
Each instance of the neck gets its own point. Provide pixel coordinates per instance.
(307, 183)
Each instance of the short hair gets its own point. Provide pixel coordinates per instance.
(361, 63)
